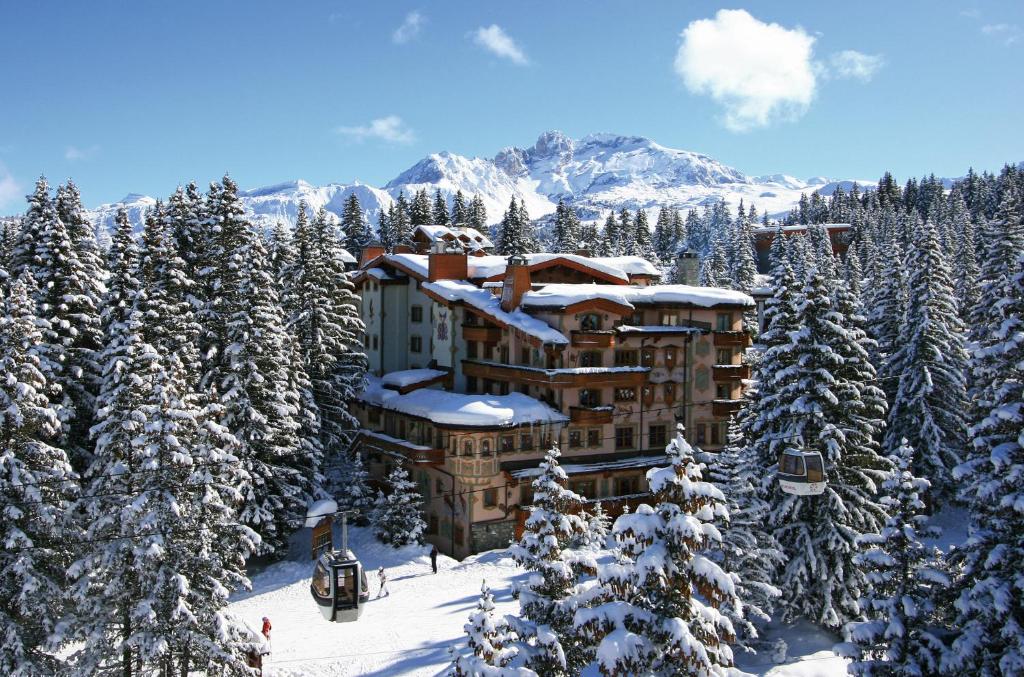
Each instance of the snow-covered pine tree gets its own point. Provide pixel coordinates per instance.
(397, 516)
(599, 525)
(612, 236)
(663, 235)
(421, 210)
(460, 210)
(83, 239)
(348, 482)
(37, 485)
(478, 214)
(930, 406)
(642, 238)
(747, 549)
(490, 649)
(886, 314)
(966, 272)
(509, 240)
(399, 222)
(822, 403)
(528, 230)
(385, 233)
(714, 271)
(590, 239)
(658, 611)
(545, 621)
(439, 212)
(898, 637)
(989, 606)
(355, 227)
(566, 229)
(186, 222)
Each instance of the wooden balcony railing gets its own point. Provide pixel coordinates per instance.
(730, 372)
(732, 339)
(595, 415)
(475, 332)
(725, 408)
(592, 339)
(555, 378)
(414, 452)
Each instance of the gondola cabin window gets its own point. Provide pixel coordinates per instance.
(322, 581)
(346, 590)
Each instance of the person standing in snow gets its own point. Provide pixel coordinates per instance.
(266, 628)
(383, 583)
(433, 558)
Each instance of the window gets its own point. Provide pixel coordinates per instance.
(525, 442)
(508, 444)
(470, 320)
(322, 581)
(366, 340)
(700, 437)
(485, 448)
(524, 355)
(594, 437)
(375, 342)
(625, 358)
(670, 356)
(590, 358)
(590, 322)
(625, 394)
(724, 321)
(656, 436)
(575, 438)
(416, 313)
(584, 488)
(647, 357)
(467, 448)
(626, 485)
(526, 494)
(790, 464)
(670, 319)
(504, 354)
(715, 436)
(416, 344)
(432, 525)
(723, 356)
(723, 391)
(490, 497)
(624, 438)
(670, 392)
(438, 486)
(636, 319)
(590, 398)
(471, 384)
(471, 350)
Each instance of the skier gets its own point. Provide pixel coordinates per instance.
(266, 628)
(433, 558)
(383, 583)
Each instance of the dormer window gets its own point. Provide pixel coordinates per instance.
(590, 322)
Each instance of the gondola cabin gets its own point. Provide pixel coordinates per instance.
(801, 472)
(339, 586)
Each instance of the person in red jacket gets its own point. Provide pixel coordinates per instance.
(266, 628)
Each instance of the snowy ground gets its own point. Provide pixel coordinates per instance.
(409, 632)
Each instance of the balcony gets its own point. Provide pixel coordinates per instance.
(476, 332)
(730, 372)
(732, 339)
(585, 377)
(588, 415)
(592, 339)
(392, 446)
(725, 408)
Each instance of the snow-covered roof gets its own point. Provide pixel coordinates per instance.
(466, 235)
(318, 510)
(656, 329)
(380, 274)
(798, 228)
(346, 257)
(615, 267)
(490, 305)
(631, 265)
(408, 377)
(455, 409)
(562, 295)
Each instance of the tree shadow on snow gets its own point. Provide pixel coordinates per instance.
(419, 657)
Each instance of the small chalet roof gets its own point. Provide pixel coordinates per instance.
(582, 465)
(411, 379)
(463, 411)
(346, 257)
(465, 235)
(564, 295)
(488, 304)
(660, 330)
(799, 228)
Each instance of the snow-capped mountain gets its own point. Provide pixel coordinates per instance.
(595, 173)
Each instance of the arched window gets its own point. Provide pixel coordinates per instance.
(485, 448)
(590, 322)
(467, 448)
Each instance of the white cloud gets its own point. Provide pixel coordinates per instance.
(409, 29)
(74, 153)
(390, 129)
(1008, 33)
(850, 63)
(10, 190)
(498, 42)
(759, 72)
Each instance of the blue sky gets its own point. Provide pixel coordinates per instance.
(140, 96)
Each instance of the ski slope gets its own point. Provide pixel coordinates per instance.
(409, 632)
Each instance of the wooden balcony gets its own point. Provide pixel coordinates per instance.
(476, 332)
(732, 339)
(594, 415)
(592, 339)
(730, 372)
(394, 447)
(555, 378)
(725, 408)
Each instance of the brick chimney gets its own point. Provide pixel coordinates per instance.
(517, 282)
(370, 252)
(446, 262)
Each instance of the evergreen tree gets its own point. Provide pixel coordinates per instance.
(642, 239)
(399, 221)
(349, 484)
(887, 310)
(490, 644)
(478, 214)
(357, 230)
(186, 216)
(397, 518)
(828, 406)
(545, 619)
(898, 637)
(384, 231)
(460, 210)
(612, 245)
(439, 215)
(36, 487)
(989, 605)
(567, 229)
(664, 236)
(930, 405)
(648, 619)
(714, 268)
(966, 273)
(598, 528)
(421, 210)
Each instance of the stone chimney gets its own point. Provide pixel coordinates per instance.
(517, 282)
(688, 268)
(370, 252)
(446, 261)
